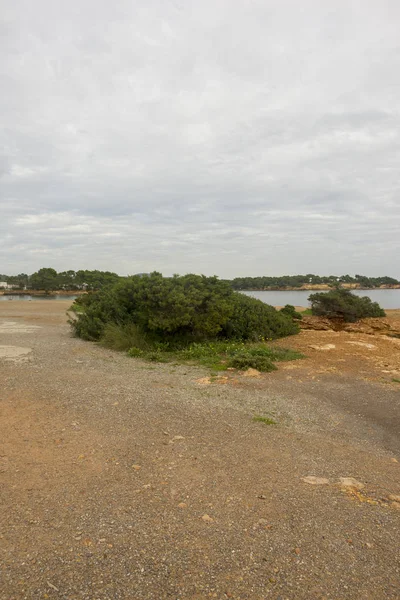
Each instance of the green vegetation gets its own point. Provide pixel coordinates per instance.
(179, 311)
(296, 281)
(48, 280)
(395, 380)
(191, 318)
(218, 355)
(342, 304)
(265, 420)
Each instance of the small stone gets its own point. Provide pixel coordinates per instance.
(395, 505)
(182, 505)
(394, 497)
(324, 347)
(177, 438)
(207, 519)
(315, 480)
(136, 467)
(297, 550)
(350, 482)
(394, 460)
(369, 346)
(369, 545)
(262, 497)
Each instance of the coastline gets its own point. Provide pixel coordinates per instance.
(318, 287)
(305, 287)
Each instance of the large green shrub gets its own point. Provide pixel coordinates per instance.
(178, 310)
(342, 304)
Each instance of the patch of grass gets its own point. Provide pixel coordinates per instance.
(306, 312)
(247, 361)
(265, 420)
(395, 380)
(124, 337)
(218, 355)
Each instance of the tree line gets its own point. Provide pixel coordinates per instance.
(263, 283)
(48, 279)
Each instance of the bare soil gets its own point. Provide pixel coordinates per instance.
(121, 479)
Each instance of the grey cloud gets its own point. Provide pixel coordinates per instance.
(232, 138)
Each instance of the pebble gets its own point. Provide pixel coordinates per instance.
(394, 497)
(325, 347)
(312, 480)
(207, 519)
(350, 482)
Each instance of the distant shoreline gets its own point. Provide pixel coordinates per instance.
(318, 287)
(303, 288)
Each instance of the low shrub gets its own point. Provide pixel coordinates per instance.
(135, 352)
(342, 304)
(291, 312)
(246, 361)
(124, 337)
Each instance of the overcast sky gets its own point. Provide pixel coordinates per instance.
(229, 137)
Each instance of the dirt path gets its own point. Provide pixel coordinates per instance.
(125, 480)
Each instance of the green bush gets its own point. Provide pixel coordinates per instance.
(342, 304)
(175, 312)
(246, 361)
(291, 312)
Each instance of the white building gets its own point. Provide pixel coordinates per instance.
(6, 286)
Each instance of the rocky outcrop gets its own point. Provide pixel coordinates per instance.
(371, 326)
(319, 324)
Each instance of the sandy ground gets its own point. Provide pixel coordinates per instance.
(124, 479)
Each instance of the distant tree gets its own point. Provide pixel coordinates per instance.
(342, 304)
(45, 279)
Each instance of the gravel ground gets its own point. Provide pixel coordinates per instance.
(122, 479)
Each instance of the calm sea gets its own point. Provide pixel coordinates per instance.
(385, 298)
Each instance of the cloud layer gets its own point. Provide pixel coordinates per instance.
(227, 137)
